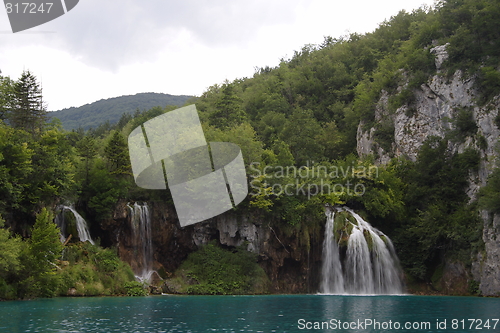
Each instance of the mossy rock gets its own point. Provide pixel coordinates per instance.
(369, 239)
(384, 239)
(70, 221)
(437, 277)
(343, 241)
(343, 224)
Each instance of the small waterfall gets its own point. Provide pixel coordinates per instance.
(370, 264)
(82, 229)
(140, 220)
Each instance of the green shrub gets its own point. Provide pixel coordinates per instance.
(92, 271)
(215, 271)
(384, 135)
(490, 194)
(7, 291)
(107, 261)
(488, 83)
(481, 142)
(473, 287)
(135, 288)
(497, 120)
(405, 97)
(464, 123)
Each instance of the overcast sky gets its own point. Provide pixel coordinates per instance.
(108, 48)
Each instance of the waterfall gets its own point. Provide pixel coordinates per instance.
(82, 229)
(333, 281)
(369, 264)
(140, 220)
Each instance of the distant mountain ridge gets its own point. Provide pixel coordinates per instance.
(111, 109)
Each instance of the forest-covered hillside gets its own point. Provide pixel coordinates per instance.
(112, 109)
(305, 114)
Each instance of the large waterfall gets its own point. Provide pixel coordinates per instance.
(357, 258)
(140, 219)
(68, 227)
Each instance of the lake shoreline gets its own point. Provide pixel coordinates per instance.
(437, 294)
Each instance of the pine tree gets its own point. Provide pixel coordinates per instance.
(6, 93)
(27, 109)
(87, 149)
(116, 153)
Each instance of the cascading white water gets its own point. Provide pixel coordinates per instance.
(140, 219)
(359, 274)
(370, 265)
(333, 281)
(82, 227)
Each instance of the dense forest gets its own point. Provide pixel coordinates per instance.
(302, 114)
(110, 111)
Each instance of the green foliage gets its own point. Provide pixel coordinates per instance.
(482, 143)
(87, 150)
(384, 135)
(94, 114)
(227, 108)
(6, 96)
(10, 250)
(488, 83)
(135, 288)
(89, 270)
(464, 124)
(25, 106)
(384, 194)
(40, 258)
(490, 194)
(105, 174)
(216, 271)
(437, 219)
(243, 135)
(54, 175)
(497, 120)
(45, 247)
(116, 152)
(104, 190)
(472, 29)
(87, 147)
(15, 167)
(34, 171)
(405, 97)
(140, 118)
(473, 287)
(301, 133)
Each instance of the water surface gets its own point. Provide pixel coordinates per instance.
(276, 313)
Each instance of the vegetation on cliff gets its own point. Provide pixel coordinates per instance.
(215, 271)
(42, 266)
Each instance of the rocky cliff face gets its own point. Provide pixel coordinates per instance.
(288, 264)
(171, 244)
(436, 105)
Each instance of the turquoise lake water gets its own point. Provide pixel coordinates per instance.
(276, 313)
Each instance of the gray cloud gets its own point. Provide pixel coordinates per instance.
(111, 33)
